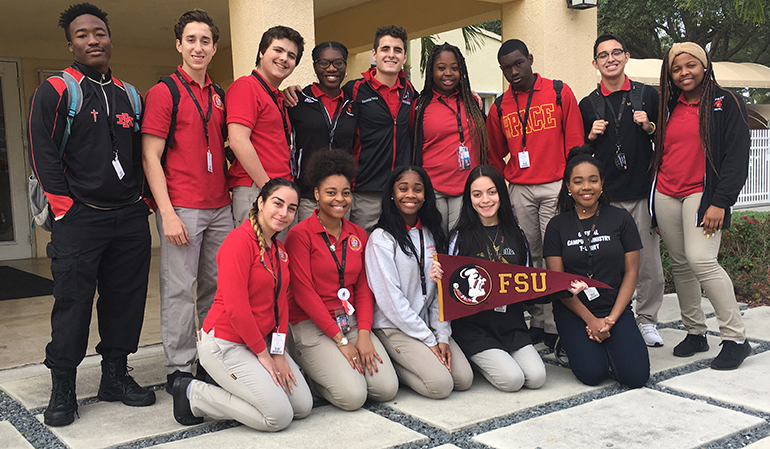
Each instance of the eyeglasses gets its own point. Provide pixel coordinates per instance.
(325, 63)
(604, 55)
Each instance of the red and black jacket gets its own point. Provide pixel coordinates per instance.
(382, 142)
(84, 173)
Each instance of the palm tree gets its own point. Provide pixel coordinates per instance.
(472, 35)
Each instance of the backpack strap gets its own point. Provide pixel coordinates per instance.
(136, 102)
(174, 89)
(557, 86)
(499, 106)
(75, 94)
(597, 101)
(637, 91)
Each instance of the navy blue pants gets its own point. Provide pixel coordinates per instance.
(624, 352)
(104, 249)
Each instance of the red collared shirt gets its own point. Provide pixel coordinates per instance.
(189, 182)
(684, 164)
(391, 95)
(250, 105)
(441, 142)
(244, 306)
(606, 92)
(329, 103)
(315, 279)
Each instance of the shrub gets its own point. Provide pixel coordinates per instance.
(744, 254)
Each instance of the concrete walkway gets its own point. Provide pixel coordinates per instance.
(684, 405)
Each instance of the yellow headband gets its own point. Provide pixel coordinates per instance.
(687, 47)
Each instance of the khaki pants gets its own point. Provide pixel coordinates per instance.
(449, 207)
(649, 290)
(181, 267)
(534, 206)
(366, 209)
(247, 392)
(330, 372)
(243, 199)
(695, 266)
(419, 368)
(511, 371)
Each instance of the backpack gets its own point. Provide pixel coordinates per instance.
(597, 100)
(69, 81)
(175, 97)
(557, 87)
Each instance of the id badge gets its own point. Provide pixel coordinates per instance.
(118, 168)
(341, 317)
(524, 159)
(501, 309)
(278, 343)
(209, 162)
(620, 161)
(591, 293)
(463, 158)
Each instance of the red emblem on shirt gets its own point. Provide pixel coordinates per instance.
(282, 254)
(125, 120)
(718, 104)
(217, 101)
(354, 243)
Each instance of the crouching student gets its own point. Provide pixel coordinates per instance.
(406, 312)
(242, 340)
(331, 304)
(597, 327)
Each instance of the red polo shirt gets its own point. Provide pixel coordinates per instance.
(391, 95)
(329, 103)
(244, 306)
(314, 276)
(684, 164)
(189, 182)
(626, 87)
(441, 141)
(249, 104)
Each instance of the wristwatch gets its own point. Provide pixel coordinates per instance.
(343, 342)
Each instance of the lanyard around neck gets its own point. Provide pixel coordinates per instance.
(277, 280)
(205, 117)
(587, 240)
(281, 107)
(420, 262)
(340, 265)
(524, 120)
(457, 114)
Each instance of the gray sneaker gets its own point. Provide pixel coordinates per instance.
(651, 335)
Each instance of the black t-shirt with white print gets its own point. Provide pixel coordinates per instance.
(615, 234)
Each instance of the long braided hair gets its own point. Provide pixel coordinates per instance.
(267, 190)
(478, 133)
(669, 95)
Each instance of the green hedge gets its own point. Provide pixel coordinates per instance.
(744, 254)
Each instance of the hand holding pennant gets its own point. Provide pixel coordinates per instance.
(470, 285)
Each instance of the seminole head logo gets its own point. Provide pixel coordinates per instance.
(470, 284)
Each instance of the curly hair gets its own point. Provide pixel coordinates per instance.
(75, 11)
(281, 32)
(479, 136)
(196, 15)
(323, 164)
(392, 31)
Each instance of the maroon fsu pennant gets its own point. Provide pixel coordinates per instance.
(471, 285)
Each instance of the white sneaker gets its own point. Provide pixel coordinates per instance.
(651, 335)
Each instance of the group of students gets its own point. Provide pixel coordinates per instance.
(329, 284)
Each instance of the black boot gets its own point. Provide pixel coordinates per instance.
(118, 385)
(63, 404)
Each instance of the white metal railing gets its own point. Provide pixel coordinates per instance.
(756, 191)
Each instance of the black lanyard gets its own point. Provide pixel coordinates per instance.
(340, 266)
(281, 107)
(457, 113)
(617, 118)
(331, 122)
(526, 115)
(112, 117)
(277, 280)
(420, 262)
(205, 118)
(587, 241)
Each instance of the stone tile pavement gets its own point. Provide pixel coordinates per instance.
(684, 405)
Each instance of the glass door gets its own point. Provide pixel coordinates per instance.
(15, 232)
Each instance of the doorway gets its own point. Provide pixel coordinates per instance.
(15, 231)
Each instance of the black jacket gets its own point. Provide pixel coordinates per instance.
(85, 172)
(382, 143)
(315, 130)
(730, 146)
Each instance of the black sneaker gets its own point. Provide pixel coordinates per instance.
(118, 385)
(63, 404)
(731, 356)
(174, 376)
(182, 411)
(690, 345)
